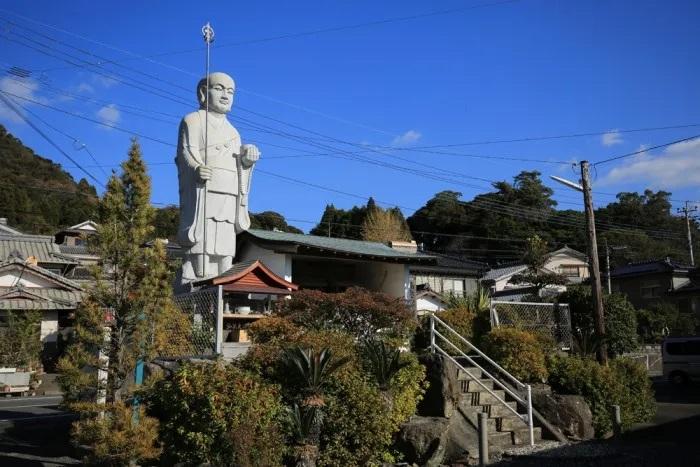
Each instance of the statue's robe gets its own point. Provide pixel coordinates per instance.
(226, 191)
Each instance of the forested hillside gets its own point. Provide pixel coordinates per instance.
(36, 194)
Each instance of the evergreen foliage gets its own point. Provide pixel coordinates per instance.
(385, 225)
(132, 288)
(20, 343)
(36, 194)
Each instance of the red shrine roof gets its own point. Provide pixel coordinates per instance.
(251, 277)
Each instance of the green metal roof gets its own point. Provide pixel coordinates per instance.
(341, 246)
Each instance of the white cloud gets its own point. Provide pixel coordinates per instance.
(406, 139)
(18, 87)
(85, 88)
(611, 138)
(678, 166)
(104, 81)
(109, 115)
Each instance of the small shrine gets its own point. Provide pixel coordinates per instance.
(248, 290)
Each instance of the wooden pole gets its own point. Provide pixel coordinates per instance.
(594, 264)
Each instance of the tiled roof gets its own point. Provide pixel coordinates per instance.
(497, 273)
(57, 278)
(650, 267)
(39, 299)
(40, 246)
(357, 248)
(448, 264)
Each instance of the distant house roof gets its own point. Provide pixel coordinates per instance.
(504, 271)
(41, 247)
(6, 229)
(84, 227)
(337, 247)
(650, 267)
(251, 277)
(451, 265)
(570, 252)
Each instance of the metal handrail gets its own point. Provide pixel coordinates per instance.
(512, 393)
(527, 401)
(481, 354)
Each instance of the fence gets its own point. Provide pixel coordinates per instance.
(202, 315)
(549, 319)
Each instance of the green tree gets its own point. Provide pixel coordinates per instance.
(535, 257)
(20, 343)
(132, 287)
(271, 220)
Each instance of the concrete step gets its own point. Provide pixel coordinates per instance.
(485, 398)
(519, 437)
(475, 373)
(499, 410)
(470, 385)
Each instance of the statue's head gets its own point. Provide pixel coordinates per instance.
(220, 92)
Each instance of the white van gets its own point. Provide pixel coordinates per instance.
(681, 359)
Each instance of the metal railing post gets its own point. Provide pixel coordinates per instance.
(483, 439)
(219, 318)
(432, 333)
(529, 415)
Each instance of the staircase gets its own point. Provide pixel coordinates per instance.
(487, 387)
(506, 429)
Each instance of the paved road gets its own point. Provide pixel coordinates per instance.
(671, 439)
(34, 432)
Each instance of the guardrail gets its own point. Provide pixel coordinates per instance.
(525, 401)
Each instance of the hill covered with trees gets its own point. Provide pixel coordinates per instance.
(36, 194)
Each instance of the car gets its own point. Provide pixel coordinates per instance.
(681, 359)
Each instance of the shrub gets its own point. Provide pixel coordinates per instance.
(357, 311)
(218, 414)
(20, 342)
(518, 351)
(664, 319)
(115, 437)
(360, 419)
(620, 319)
(623, 383)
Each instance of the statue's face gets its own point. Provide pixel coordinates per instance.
(220, 93)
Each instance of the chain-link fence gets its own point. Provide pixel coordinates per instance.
(198, 320)
(549, 319)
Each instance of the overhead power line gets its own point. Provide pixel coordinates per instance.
(14, 108)
(642, 151)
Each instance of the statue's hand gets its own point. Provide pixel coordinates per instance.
(204, 173)
(250, 154)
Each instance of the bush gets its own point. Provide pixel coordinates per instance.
(218, 414)
(664, 319)
(360, 418)
(20, 340)
(357, 311)
(518, 351)
(624, 383)
(115, 437)
(620, 318)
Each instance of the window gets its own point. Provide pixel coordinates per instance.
(651, 289)
(569, 270)
(689, 347)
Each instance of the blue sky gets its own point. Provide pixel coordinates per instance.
(501, 71)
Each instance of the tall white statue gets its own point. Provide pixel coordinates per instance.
(213, 186)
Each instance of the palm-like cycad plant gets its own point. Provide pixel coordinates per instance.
(313, 369)
(305, 422)
(383, 361)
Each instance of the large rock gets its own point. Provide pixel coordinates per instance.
(423, 440)
(568, 413)
(443, 391)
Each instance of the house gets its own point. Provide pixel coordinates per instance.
(334, 264)
(647, 283)
(72, 243)
(449, 275)
(36, 275)
(566, 261)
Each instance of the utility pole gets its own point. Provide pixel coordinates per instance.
(594, 267)
(607, 266)
(687, 210)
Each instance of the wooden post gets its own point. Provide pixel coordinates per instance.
(594, 266)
